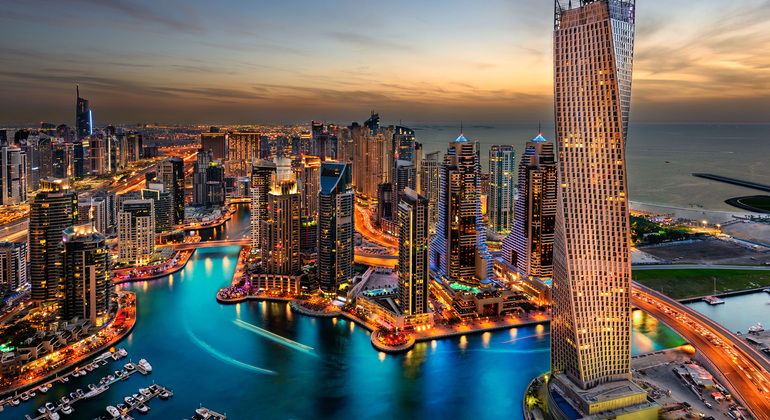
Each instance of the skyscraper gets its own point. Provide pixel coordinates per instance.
(171, 174)
(203, 159)
(529, 247)
(280, 232)
(163, 206)
(335, 226)
(136, 232)
(458, 232)
(413, 253)
(83, 121)
(404, 176)
(501, 191)
(591, 323)
(404, 143)
(13, 179)
(242, 148)
(429, 186)
(261, 176)
(216, 143)
(93, 210)
(53, 209)
(309, 183)
(13, 266)
(85, 291)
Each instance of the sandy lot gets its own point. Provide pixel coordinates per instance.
(708, 252)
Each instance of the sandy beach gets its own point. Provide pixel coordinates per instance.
(712, 217)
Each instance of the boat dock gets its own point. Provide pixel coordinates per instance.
(105, 386)
(204, 413)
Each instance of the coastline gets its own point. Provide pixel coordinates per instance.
(711, 216)
(177, 267)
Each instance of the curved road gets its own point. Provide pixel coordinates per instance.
(746, 370)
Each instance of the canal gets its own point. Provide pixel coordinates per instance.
(260, 360)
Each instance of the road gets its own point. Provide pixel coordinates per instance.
(745, 370)
(365, 228)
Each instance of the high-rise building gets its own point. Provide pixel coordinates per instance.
(163, 206)
(13, 266)
(280, 232)
(31, 147)
(78, 160)
(309, 176)
(136, 232)
(93, 210)
(242, 148)
(13, 179)
(98, 155)
(500, 200)
(130, 147)
(457, 248)
(335, 226)
(216, 143)
(216, 189)
(171, 174)
(404, 143)
(203, 159)
(261, 178)
(404, 176)
(86, 289)
(529, 247)
(83, 120)
(53, 209)
(429, 186)
(413, 253)
(591, 321)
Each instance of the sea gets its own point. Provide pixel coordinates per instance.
(661, 157)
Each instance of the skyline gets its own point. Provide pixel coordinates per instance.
(191, 62)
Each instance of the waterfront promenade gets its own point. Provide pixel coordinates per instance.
(148, 272)
(48, 367)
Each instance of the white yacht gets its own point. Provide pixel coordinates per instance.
(756, 328)
(113, 411)
(145, 365)
(66, 409)
(95, 391)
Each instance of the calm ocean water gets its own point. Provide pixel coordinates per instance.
(199, 351)
(661, 157)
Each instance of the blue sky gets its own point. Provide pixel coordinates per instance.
(294, 60)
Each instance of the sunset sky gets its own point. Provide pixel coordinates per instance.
(291, 61)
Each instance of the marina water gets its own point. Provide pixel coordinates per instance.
(260, 360)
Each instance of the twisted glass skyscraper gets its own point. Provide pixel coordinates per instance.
(593, 50)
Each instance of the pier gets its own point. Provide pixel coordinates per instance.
(101, 361)
(739, 182)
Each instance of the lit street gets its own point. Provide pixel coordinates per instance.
(744, 369)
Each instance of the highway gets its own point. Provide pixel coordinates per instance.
(745, 370)
(365, 228)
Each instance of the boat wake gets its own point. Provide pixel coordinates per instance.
(225, 358)
(275, 337)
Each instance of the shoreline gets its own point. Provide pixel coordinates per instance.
(4, 394)
(712, 216)
(176, 268)
(417, 337)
